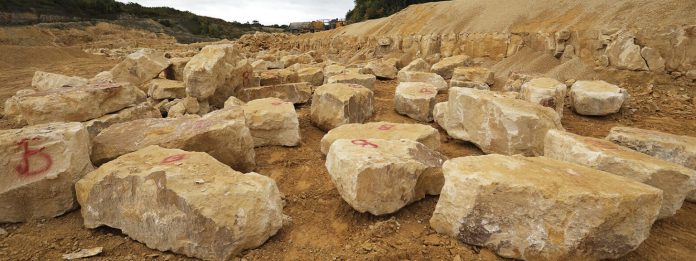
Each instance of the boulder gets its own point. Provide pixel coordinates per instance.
(41, 165)
(223, 134)
(272, 122)
(446, 66)
(233, 101)
(337, 104)
(140, 111)
(675, 180)
(366, 80)
(188, 105)
(509, 126)
(473, 74)
(624, 53)
(596, 98)
(102, 77)
(312, 75)
(296, 93)
(675, 148)
(44, 81)
(218, 70)
(543, 209)
(260, 65)
(160, 89)
(279, 76)
(415, 100)
(417, 65)
(382, 69)
(175, 71)
(516, 79)
(546, 92)
(383, 176)
(424, 134)
(184, 202)
(332, 70)
(653, 58)
(469, 84)
(140, 67)
(426, 77)
(439, 113)
(72, 104)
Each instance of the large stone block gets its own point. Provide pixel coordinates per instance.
(175, 71)
(473, 74)
(426, 77)
(217, 70)
(336, 104)
(543, 209)
(140, 111)
(675, 180)
(415, 100)
(312, 75)
(72, 104)
(296, 93)
(424, 134)
(546, 92)
(332, 70)
(139, 67)
(184, 202)
(44, 81)
(446, 66)
(160, 89)
(382, 69)
(624, 53)
(41, 165)
(272, 122)
(279, 76)
(508, 126)
(366, 80)
(516, 79)
(223, 134)
(596, 98)
(417, 65)
(382, 176)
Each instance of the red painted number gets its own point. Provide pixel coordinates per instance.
(365, 144)
(426, 91)
(173, 158)
(24, 168)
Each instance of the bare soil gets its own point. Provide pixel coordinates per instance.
(323, 226)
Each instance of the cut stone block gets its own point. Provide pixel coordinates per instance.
(426, 77)
(473, 74)
(279, 76)
(140, 67)
(272, 122)
(366, 80)
(140, 111)
(218, 70)
(383, 176)
(160, 89)
(336, 104)
(424, 134)
(446, 66)
(312, 75)
(596, 98)
(184, 202)
(296, 93)
(41, 165)
(415, 100)
(382, 69)
(508, 126)
(72, 104)
(332, 70)
(543, 209)
(44, 81)
(546, 92)
(417, 65)
(223, 134)
(675, 180)
(175, 71)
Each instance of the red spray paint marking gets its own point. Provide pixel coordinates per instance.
(426, 91)
(246, 79)
(173, 158)
(365, 144)
(24, 169)
(276, 103)
(385, 127)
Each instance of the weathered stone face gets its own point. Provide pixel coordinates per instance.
(469, 84)
(260, 65)
(415, 100)
(72, 104)
(336, 104)
(537, 208)
(424, 134)
(139, 67)
(296, 93)
(233, 101)
(223, 134)
(184, 202)
(279, 76)
(332, 70)
(426, 77)
(188, 105)
(216, 69)
(473, 74)
(675, 180)
(312, 75)
(366, 80)
(546, 92)
(382, 69)
(382, 176)
(417, 65)
(44, 81)
(42, 164)
(516, 80)
(272, 122)
(446, 66)
(160, 89)
(175, 71)
(140, 111)
(625, 54)
(596, 98)
(508, 127)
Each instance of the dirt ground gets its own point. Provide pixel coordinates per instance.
(323, 226)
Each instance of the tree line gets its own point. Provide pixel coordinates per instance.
(372, 9)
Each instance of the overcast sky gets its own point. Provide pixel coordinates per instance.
(265, 11)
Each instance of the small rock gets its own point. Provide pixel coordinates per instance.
(83, 253)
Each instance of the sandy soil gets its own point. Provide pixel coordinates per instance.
(323, 226)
